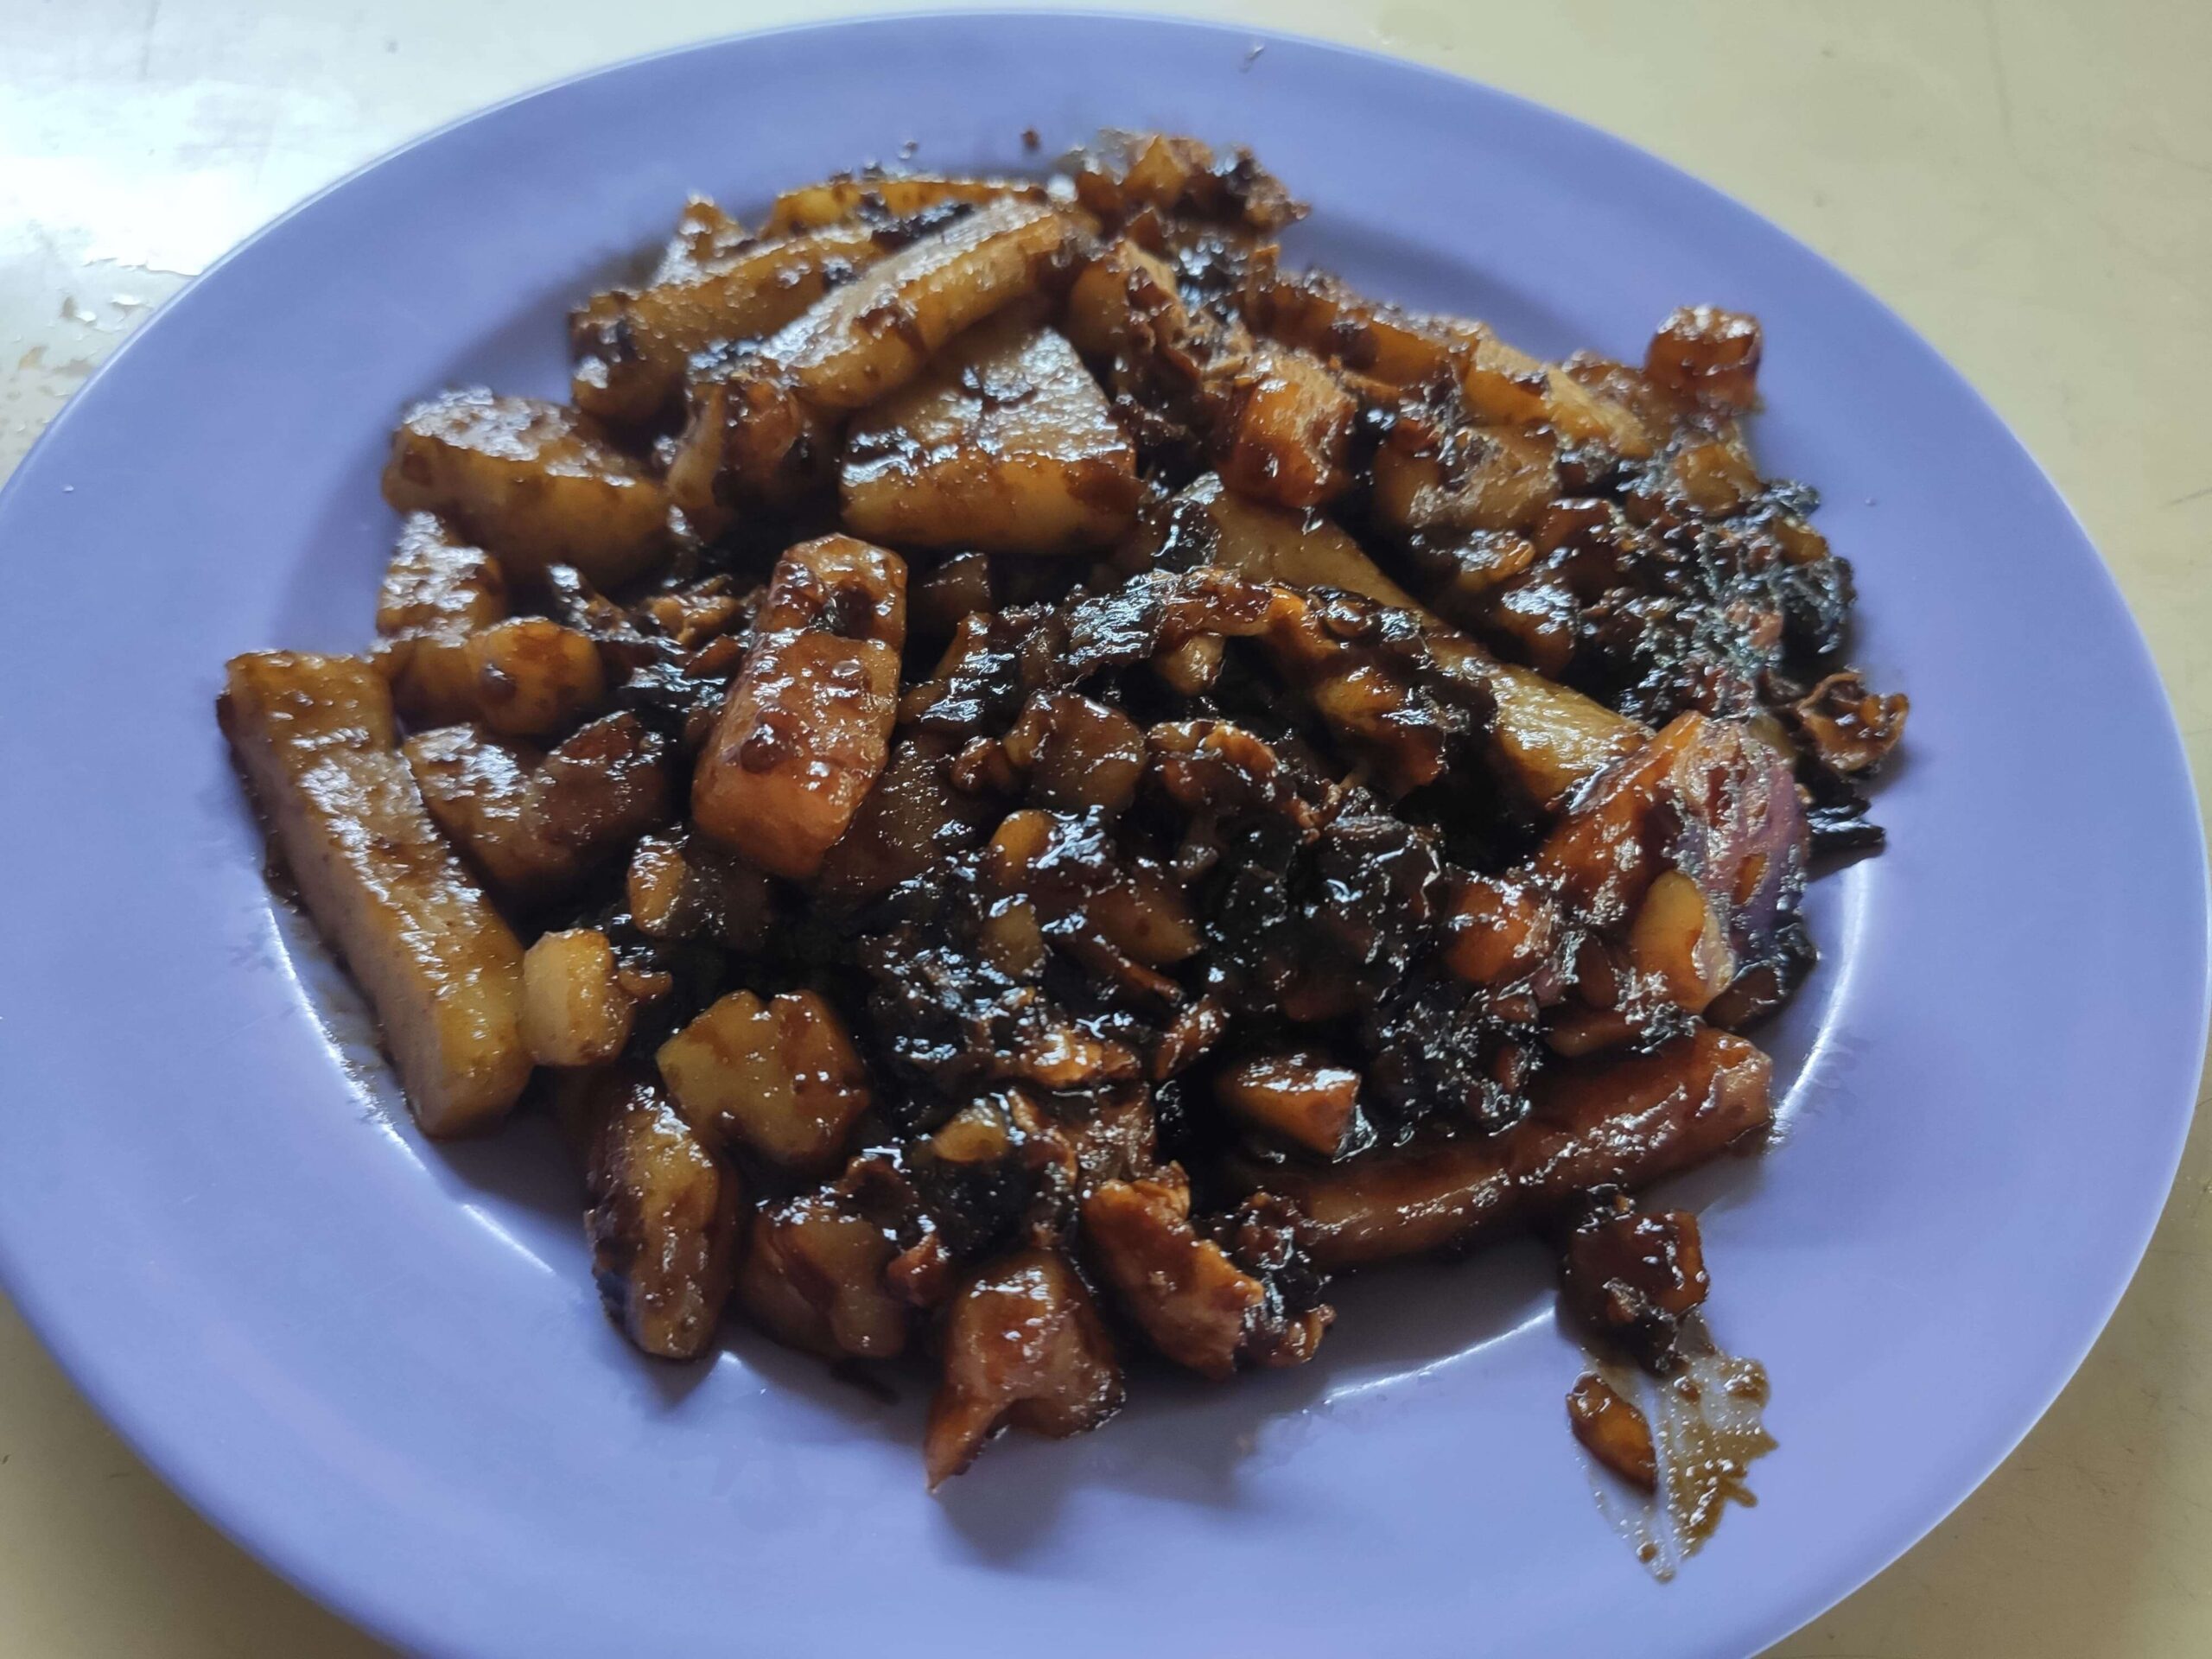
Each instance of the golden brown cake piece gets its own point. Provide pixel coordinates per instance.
(314, 738)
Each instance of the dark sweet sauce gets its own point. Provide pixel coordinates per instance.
(1706, 1432)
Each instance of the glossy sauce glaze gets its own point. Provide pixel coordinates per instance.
(1063, 782)
(1670, 1454)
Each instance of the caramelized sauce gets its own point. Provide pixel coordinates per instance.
(1705, 1432)
(1710, 1432)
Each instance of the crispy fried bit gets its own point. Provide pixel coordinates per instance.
(314, 738)
(1704, 350)
(1630, 1275)
(1024, 1346)
(808, 723)
(1614, 1431)
(575, 1010)
(1006, 443)
(663, 1222)
(533, 481)
(1202, 1306)
(779, 1078)
(1850, 729)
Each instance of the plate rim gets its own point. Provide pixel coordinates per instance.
(229, 1510)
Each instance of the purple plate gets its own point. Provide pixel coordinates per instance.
(380, 1365)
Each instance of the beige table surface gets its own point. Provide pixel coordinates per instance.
(2030, 184)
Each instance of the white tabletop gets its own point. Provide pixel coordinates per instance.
(2028, 182)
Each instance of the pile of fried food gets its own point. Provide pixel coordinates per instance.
(1066, 780)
